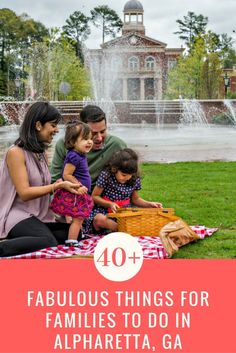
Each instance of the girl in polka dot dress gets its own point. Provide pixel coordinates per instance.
(117, 186)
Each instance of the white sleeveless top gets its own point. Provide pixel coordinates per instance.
(12, 209)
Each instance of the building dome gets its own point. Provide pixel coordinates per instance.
(133, 5)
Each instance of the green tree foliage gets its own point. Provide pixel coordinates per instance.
(210, 77)
(17, 33)
(230, 59)
(103, 16)
(199, 71)
(9, 26)
(190, 27)
(197, 75)
(2, 83)
(77, 30)
(226, 42)
(31, 31)
(52, 65)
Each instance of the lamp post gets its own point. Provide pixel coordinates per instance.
(226, 83)
(18, 84)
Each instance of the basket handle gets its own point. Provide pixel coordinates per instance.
(124, 215)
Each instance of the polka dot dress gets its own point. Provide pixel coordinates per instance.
(112, 190)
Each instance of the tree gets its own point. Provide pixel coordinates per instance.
(210, 77)
(191, 26)
(17, 33)
(230, 59)
(31, 31)
(221, 44)
(226, 45)
(103, 16)
(197, 74)
(9, 24)
(52, 65)
(77, 30)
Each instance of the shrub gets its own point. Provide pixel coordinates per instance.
(2, 120)
(231, 95)
(223, 119)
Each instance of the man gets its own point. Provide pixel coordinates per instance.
(104, 145)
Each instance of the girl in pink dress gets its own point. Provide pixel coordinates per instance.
(78, 141)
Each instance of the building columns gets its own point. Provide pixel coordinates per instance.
(125, 89)
(142, 89)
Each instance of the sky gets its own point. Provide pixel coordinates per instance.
(159, 16)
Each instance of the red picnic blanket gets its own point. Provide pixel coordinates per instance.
(152, 247)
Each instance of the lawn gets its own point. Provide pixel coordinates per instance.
(202, 194)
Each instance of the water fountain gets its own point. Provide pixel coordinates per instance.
(190, 140)
(168, 143)
(193, 114)
(104, 76)
(231, 110)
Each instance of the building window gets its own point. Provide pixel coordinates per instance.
(140, 18)
(149, 88)
(117, 90)
(133, 18)
(126, 18)
(133, 63)
(116, 63)
(149, 63)
(171, 63)
(133, 86)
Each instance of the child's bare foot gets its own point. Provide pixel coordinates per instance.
(68, 219)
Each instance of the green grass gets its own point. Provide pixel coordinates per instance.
(202, 194)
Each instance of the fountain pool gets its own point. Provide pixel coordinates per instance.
(170, 143)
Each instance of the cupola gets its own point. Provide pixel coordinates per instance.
(133, 17)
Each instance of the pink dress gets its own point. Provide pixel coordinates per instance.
(67, 204)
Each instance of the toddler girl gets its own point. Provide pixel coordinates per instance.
(117, 186)
(78, 141)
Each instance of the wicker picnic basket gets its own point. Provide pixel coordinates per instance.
(143, 221)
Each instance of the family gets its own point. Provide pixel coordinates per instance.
(92, 173)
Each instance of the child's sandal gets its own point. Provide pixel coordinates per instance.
(71, 242)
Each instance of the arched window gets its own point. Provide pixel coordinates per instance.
(133, 63)
(149, 63)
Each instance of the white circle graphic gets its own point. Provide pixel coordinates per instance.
(118, 256)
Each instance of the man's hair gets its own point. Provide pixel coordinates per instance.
(92, 114)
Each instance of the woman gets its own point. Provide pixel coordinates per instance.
(26, 222)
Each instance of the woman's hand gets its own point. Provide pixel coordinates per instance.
(74, 182)
(82, 190)
(71, 187)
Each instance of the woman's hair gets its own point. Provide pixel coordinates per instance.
(75, 129)
(42, 112)
(126, 161)
(92, 114)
